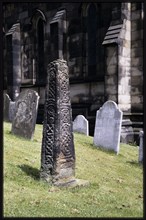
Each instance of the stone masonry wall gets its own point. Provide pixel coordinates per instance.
(136, 57)
(124, 73)
(111, 77)
(124, 57)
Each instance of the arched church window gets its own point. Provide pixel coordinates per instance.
(57, 35)
(94, 25)
(40, 50)
(37, 21)
(91, 22)
(91, 36)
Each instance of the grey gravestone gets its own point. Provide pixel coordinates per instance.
(11, 111)
(7, 101)
(58, 154)
(9, 108)
(81, 125)
(26, 106)
(141, 133)
(108, 126)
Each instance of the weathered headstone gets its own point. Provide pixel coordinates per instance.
(26, 106)
(58, 154)
(9, 108)
(11, 111)
(7, 101)
(108, 126)
(81, 125)
(141, 134)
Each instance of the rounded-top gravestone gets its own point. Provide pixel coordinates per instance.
(81, 125)
(108, 126)
(26, 107)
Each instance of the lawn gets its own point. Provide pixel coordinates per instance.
(115, 189)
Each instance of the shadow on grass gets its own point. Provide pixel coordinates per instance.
(30, 171)
(105, 150)
(12, 135)
(134, 162)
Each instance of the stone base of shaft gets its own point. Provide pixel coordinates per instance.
(71, 182)
(65, 182)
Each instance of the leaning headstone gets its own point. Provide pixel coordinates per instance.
(26, 107)
(141, 134)
(58, 154)
(81, 125)
(108, 127)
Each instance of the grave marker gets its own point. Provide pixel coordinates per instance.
(108, 126)
(58, 153)
(81, 125)
(26, 106)
(7, 101)
(141, 134)
(11, 111)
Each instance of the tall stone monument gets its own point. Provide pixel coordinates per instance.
(26, 107)
(108, 126)
(58, 154)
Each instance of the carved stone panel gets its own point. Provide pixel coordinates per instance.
(58, 155)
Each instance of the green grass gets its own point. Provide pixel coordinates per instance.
(115, 190)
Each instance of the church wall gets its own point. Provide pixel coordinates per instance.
(124, 57)
(137, 58)
(119, 79)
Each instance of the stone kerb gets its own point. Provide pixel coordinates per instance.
(108, 127)
(141, 134)
(81, 125)
(26, 107)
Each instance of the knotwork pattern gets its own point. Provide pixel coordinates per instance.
(57, 156)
